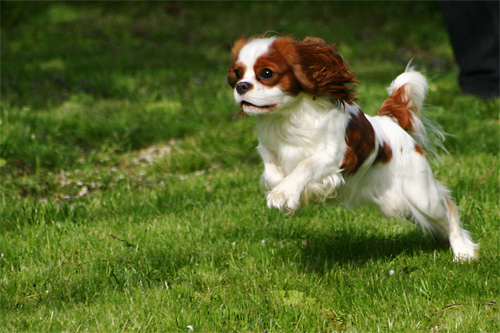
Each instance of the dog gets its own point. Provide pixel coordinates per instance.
(317, 144)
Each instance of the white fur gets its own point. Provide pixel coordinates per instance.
(302, 144)
(302, 147)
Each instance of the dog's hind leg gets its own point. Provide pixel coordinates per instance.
(417, 196)
(437, 213)
(460, 240)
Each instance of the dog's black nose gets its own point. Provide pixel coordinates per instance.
(243, 87)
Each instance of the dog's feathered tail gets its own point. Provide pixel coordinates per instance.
(404, 105)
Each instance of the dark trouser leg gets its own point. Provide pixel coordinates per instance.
(474, 32)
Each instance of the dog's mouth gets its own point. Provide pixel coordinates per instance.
(250, 108)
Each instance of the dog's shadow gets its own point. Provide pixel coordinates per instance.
(321, 252)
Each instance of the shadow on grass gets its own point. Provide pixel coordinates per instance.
(322, 252)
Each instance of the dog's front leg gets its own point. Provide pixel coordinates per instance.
(286, 195)
(272, 174)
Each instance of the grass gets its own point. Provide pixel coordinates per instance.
(129, 191)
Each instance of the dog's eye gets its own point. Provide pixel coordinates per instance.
(266, 74)
(238, 74)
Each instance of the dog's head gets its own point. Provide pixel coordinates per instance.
(269, 73)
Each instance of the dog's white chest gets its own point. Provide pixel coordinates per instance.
(292, 144)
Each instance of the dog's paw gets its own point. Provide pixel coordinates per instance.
(284, 199)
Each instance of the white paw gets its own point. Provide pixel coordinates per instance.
(465, 254)
(284, 199)
(464, 249)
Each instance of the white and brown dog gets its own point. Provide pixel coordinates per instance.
(318, 145)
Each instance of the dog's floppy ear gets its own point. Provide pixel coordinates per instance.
(238, 45)
(321, 71)
(232, 78)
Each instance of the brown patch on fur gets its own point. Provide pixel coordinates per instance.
(419, 149)
(232, 78)
(322, 72)
(360, 139)
(319, 70)
(231, 74)
(396, 106)
(384, 154)
(275, 60)
(238, 45)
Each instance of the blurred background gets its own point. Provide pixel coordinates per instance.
(115, 49)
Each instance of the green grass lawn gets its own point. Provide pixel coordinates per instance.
(129, 189)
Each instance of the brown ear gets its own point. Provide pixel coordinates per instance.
(231, 76)
(238, 45)
(321, 71)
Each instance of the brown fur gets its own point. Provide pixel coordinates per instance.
(396, 106)
(384, 154)
(360, 139)
(419, 149)
(276, 61)
(231, 76)
(319, 69)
